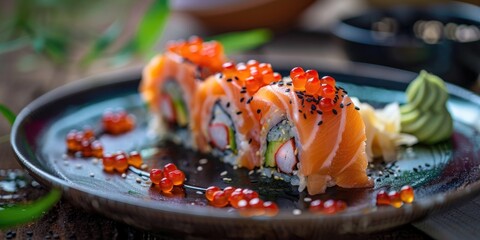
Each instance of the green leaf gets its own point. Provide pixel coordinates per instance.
(25, 213)
(13, 45)
(242, 41)
(151, 27)
(7, 113)
(102, 43)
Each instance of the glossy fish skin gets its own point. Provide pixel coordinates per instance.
(330, 144)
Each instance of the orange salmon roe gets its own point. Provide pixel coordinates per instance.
(166, 185)
(117, 122)
(177, 177)
(382, 198)
(271, 208)
(156, 175)
(246, 201)
(327, 207)
(315, 88)
(253, 75)
(121, 163)
(206, 54)
(219, 199)
(135, 159)
(395, 199)
(406, 194)
(210, 191)
(108, 161)
(84, 142)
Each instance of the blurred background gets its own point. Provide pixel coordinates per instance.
(48, 43)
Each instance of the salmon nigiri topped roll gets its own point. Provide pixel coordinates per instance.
(170, 81)
(223, 121)
(312, 132)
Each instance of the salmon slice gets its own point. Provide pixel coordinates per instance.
(216, 89)
(330, 143)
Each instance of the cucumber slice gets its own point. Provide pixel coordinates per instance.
(231, 140)
(272, 148)
(180, 112)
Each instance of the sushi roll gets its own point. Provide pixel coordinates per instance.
(170, 81)
(312, 131)
(223, 121)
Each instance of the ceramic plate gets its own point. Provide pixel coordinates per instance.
(441, 174)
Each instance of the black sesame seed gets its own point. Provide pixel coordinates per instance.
(220, 75)
(357, 108)
(304, 116)
(287, 90)
(348, 104)
(259, 110)
(300, 110)
(239, 112)
(415, 169)
(319, 112)
(319, 123)
(290, 101)
(250, 141)
(242, 99)
(236, 78)
(228, 104)
(427, 165)
(313, 107)
(249, 100)
(334, 111)
(341, 105)
(229, 80)
(243, 91)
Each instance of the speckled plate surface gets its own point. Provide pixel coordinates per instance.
(441, 174)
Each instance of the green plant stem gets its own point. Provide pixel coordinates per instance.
(25, 213)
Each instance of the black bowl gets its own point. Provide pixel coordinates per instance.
(443, 39)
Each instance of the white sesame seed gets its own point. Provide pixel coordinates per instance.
(223, 173)
(297, 211)
(124, 175)
(199, 192)
(199, 168)
(203, 161)
(251, 172)
(139, 180)
(143, 166)
(307, 199)
(235, 167)
(227, 179)
(78, 165)
(95, 160)
(92, 174)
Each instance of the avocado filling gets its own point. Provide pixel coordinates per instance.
(173, 105)
(280, 150)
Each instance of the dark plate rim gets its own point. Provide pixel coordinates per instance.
(368, 70)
